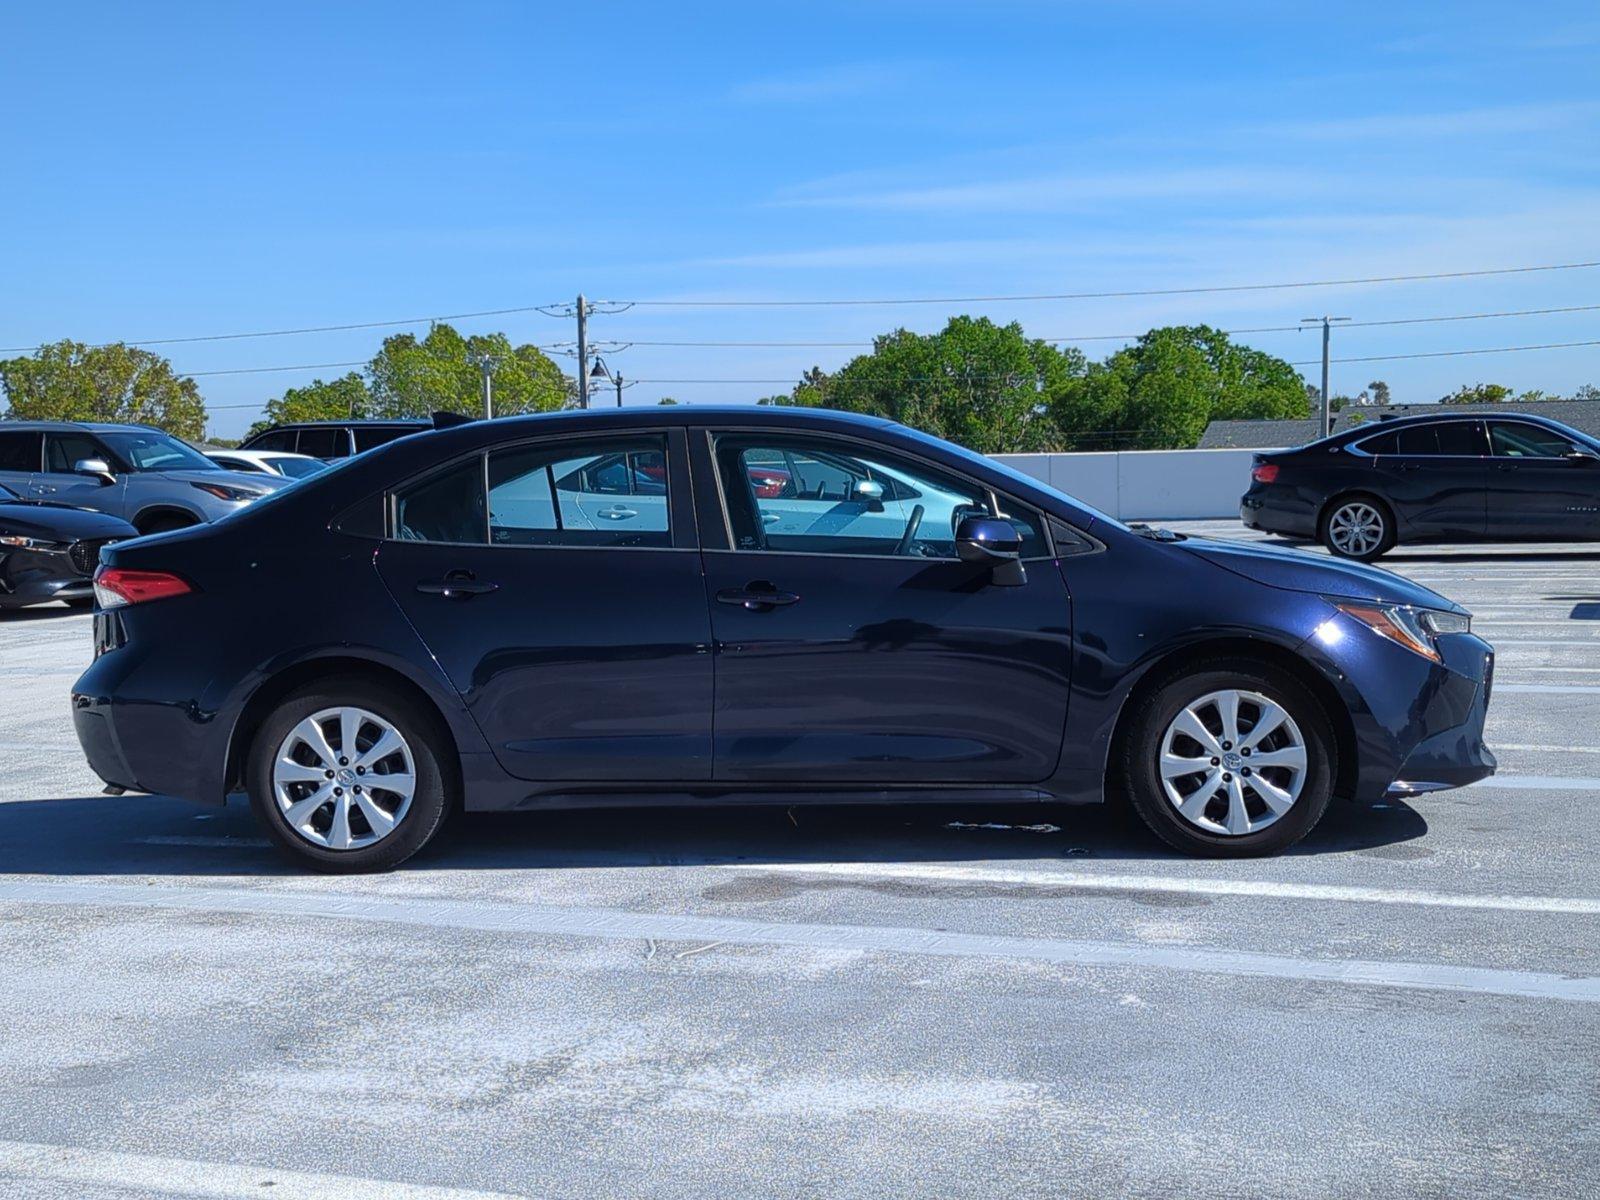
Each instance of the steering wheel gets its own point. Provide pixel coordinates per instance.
(907, 538)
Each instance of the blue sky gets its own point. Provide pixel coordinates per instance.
(172, 170)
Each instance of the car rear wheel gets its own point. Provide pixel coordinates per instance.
(1358, 527)
(346, 778)
(1229, 761)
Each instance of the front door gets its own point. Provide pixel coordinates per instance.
(853, 646)
(580, 643)
(1435, 476)
(1543, 484)
(60, 483)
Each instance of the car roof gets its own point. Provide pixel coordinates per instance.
(351, 423)
(695, 414)
(90, 426)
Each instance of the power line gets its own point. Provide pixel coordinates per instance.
(563, 309)
(1108, 295)
(1451, 353)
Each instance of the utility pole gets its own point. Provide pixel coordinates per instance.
(486, 364)
(583, 352)
(1325, 414)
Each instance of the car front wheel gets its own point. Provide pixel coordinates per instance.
(1229, 761)
(347, 778)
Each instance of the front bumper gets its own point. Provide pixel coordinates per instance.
(1452, 757)
(40, 576)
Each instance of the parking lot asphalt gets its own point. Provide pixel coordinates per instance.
(909, 1001)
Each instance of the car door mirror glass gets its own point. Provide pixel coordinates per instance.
(98, 468)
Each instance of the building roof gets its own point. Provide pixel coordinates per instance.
(1582, 415)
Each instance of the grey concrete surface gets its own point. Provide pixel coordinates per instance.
(588, 1005)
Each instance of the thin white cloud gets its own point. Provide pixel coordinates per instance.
(1054, 193)
(828, 83)
(1473, 122)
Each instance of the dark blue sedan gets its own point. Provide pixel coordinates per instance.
(752, 606)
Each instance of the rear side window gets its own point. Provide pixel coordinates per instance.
(369, 437)
(606, 493)
(1462, 438)
(323, 442)
(273, 439)
(447, 507)
(19, 451)
(1430, 440)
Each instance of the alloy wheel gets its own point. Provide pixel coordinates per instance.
(1356, 529)
(343, 778)
(1232, 762)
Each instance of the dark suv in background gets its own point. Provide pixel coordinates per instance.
(1431, 479)
(332, 439)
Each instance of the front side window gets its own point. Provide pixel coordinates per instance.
(610, 492)
(62, 450)
(816, 496)
(1513, 439)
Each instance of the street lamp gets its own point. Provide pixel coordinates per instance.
(601, 371)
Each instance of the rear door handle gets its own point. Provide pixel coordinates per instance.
(757, 597)
(1411, 466)
(457, 585)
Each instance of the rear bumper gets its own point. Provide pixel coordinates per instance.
(1273, 508)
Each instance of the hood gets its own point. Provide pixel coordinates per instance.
(60, 522)
(1302, 571)
(248, 480)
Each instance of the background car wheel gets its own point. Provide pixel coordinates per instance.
(1358, 527)
(348, 778)
(1229, 760)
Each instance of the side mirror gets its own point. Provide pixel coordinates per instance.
(870, 493)
(992, 542)
(97, 467)
(1581, 458)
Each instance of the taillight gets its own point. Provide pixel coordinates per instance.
(1264, 472)
(117, 587)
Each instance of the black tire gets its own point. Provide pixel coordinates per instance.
(80, 603)
(435, 786)
(1380, 510)
(166, 523)
(1142, 746)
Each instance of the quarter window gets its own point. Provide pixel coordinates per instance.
(810, 496)
(1513, 439)
(609, 493)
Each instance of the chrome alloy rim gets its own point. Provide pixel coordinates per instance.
(1356, 528)
(1232, 762)
(343, 778)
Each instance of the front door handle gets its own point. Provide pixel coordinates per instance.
(618, 513)
(1505, 466)
(759, 596)
(1411, 466)
(457, 585)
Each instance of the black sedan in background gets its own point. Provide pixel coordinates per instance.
(49, 551)
(1458, 478)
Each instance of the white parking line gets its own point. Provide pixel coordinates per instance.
(1549, 783)
(24, 1162)
(1175, 885)
(1547, 689)
(620, 924)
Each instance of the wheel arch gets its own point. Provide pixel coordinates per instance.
(297, 675)
(1182, 659)
(1354, 493)
(153, 512)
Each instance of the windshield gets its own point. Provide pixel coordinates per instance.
(148, 450)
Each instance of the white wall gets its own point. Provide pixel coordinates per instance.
(1138, 485)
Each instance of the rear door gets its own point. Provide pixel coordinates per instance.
(581, 648)
(1543, 485)
(1435, 476)
(866, 653)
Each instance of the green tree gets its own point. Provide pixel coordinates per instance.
(69, 381)
(983, 385)
(412, 378)
(1587, 391)
(338, 399)
(1380, 392)
(1478, 393)
(1162, 391)
(666, 400)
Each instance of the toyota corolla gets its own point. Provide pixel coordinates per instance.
(754, 606)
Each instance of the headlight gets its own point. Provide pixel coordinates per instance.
(17, 542)
(1414, 628)
(223, 492)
